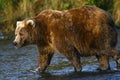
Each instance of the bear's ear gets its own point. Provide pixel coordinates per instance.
(31, 22)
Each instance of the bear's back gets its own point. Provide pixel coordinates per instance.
(84, 28)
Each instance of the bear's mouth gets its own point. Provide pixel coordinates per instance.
(25, 43)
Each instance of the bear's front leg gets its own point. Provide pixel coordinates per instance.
(45, 55)
(44, 61)
(73, 56)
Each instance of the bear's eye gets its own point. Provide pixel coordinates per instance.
(21, 34)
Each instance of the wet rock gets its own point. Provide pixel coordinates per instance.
(2, 37)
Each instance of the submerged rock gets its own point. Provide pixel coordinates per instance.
(1, 34)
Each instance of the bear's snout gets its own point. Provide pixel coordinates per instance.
(14, 43)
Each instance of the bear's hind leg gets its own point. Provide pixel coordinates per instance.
(115, 54)
(103, 62)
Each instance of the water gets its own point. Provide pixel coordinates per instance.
(20, 64)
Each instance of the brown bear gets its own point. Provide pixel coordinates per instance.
(75, 33)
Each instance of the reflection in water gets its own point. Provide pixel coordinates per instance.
(19, 64)
(110, 75)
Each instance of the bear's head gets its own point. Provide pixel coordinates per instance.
(22, 32)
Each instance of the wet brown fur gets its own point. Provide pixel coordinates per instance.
(84, 31)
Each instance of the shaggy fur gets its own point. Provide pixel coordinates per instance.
(84, 31)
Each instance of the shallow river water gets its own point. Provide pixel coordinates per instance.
(20, 64)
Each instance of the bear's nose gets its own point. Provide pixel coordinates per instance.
(14, 43)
